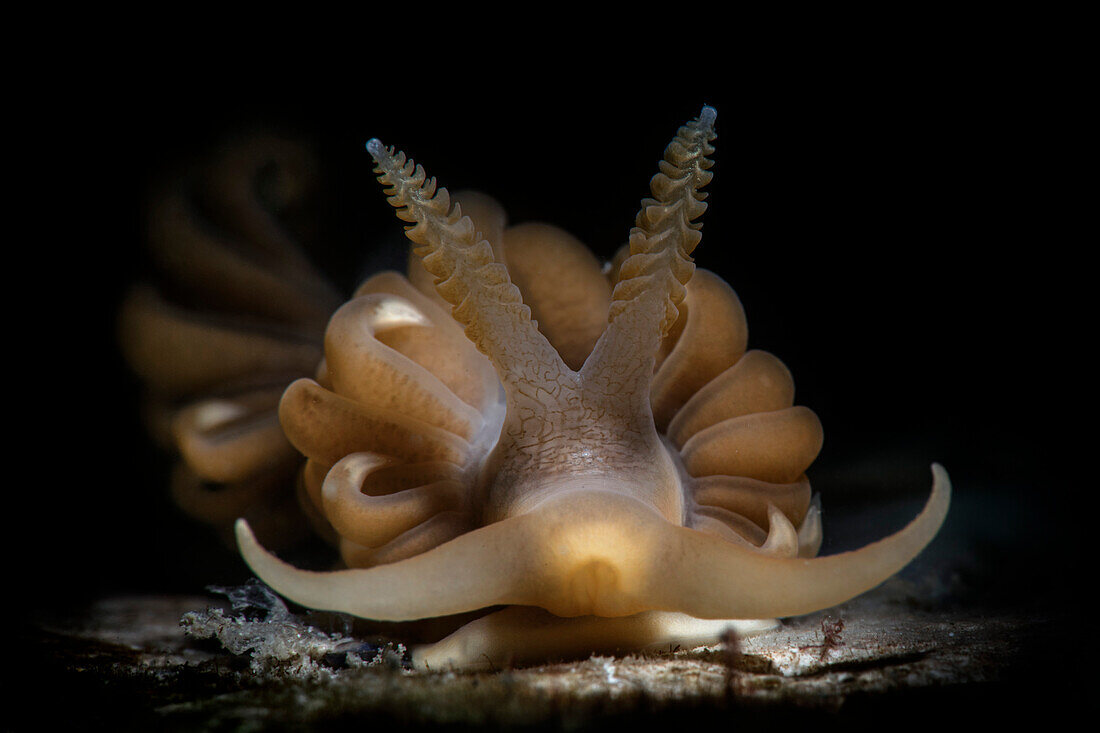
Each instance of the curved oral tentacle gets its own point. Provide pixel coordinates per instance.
(482, 568)
(729, 581)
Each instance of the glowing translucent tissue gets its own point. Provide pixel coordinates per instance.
(598, 454)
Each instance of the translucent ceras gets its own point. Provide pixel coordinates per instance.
(236, 313)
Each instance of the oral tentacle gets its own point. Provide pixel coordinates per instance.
(730, 581)
(427, 535)
(488, 566)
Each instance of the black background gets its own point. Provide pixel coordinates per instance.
(896, 226)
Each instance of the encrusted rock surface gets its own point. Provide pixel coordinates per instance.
(982, 629)
(129, 663)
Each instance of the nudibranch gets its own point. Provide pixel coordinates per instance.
(595, 461)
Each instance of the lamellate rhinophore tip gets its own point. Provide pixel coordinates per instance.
(376, 148)
(707, 116)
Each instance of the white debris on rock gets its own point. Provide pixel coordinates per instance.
(280, 643)
(608, 664)
(800, 661)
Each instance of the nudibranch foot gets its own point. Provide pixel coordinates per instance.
(520, 635)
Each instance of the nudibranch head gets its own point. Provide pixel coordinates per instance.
(507, 425)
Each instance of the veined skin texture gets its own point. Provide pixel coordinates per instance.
(600, 454)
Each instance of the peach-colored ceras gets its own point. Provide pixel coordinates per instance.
(609, 463)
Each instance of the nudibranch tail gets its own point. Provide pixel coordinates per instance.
(484, 299)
